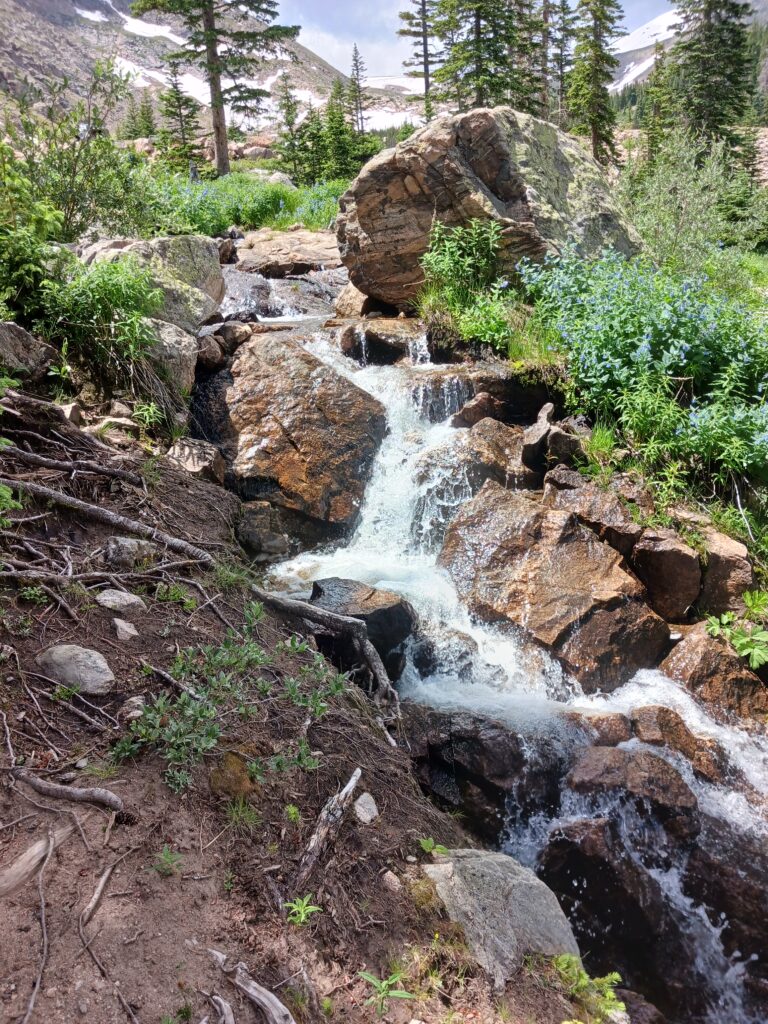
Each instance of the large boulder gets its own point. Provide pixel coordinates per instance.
(174, 354)
(599, 508)
(300, 436)
(22, 354)
(728, 574)
(534, 181)
(185, 268)
(538, 568)
(80, 668)
(279, 253)
(670, 570)
(717, 675)
(505, 911)
(389, 618)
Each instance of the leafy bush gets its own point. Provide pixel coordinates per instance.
(747, 634)
(462, 261)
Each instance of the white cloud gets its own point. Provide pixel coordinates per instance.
(382, 55)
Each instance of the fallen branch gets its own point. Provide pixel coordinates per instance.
(105, 973)
(274, 1011)
(343, 625)
(105, 515)
(93, 795)
(168, 678)
(328, 824)
(93, 904)
(224, 1010)
(29, 863)
(50, 846)
(79, 465)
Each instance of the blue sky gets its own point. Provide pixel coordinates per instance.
(330, 27)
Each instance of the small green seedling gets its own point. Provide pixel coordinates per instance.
(301, 909)
(167, 862)
(384, 989)
(429, 845)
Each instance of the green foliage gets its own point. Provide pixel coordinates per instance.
(595, 997)
(429, 845)
(175, 593)
(301, 909)
(462, 260)
(589, 102)
(180, 122)
(7, 504)
(35, 595)
(243, 818)
(384, 989)
(167, 862)
(747, 634)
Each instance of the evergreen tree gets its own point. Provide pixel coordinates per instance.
(129, 125)
(358, 101)
(476, 65)
(588, 98)
(289, 143)
(226, 39)
(656, 112)
(561, 34)
(713, 58)
(339, 141)
(311, 150)
(146, 125)
(528, 63)
(181, 125)
(418, 25)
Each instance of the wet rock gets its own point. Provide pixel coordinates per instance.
(126, 552)
(451, 473)
(351, 302)
(365, 809)
(232, 335)
(121, 601)
(211, 357)
(174, 353)
(505, 911)
(643, 776)
(77, 667)
(605, 728)
(534, 181)
(514, 559)
(663, 726)
(279, 253)
(727, 575)
(598, 508)
(639, 1010)
(670, 570)
(482, 406)
(535, 438)
(227, 250)
(184, 267)
(124, 630)
(383, 341)
(246, 296)
(198, 458)
(564, 446)
(304, 437)
(22, 354)
(389, 618)
(261, 530)
(716, 674)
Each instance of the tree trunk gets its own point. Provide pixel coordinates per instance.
(545, 17)
(425, 46)
(213, 71)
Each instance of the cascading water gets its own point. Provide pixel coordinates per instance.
(489, 670)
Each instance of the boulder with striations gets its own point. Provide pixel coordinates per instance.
(524, 174)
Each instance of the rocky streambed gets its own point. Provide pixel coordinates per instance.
(556, 690)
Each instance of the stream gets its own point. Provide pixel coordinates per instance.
(491, 671)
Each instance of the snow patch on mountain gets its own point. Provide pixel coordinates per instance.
(91, 15)
(632, 73)
(656, 31)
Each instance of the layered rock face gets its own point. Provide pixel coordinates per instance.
(535, 182)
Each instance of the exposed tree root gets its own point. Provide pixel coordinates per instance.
(328, 824)
(92, 795)
(273, 1010)
(78, 466)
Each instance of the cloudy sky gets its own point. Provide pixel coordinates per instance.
(330, 27)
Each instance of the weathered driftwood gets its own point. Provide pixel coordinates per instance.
(27, 864)
(105, 515)
(273, 1010)
(340, 625)
(77, 466)
(328, 824)
(92, 795)
(224, 1010)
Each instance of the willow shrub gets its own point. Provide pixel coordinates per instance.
(682, 369)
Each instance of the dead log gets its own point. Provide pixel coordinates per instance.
(328, 824)
(79, 465)
(92, 795)
(105, 515)
(340, 625)
(27, 864)
(273, 1010)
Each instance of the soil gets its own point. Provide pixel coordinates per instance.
(209, 867)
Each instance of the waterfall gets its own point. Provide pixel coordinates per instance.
(492, 670)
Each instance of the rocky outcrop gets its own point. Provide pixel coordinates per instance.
(351, 303)
(389, 618)
(22, 354)
(670, 570)
(513, 559)
(174, 355)
(548, 444)
(482, 406)
(185, 268)
(642, 776)
(279, 253)
(299, 435)
(198, 458)
(717, 675)
(504, 910)
(598, 508)
(534, 181)
(663, 726)
(728, 574)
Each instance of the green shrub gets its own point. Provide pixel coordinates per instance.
(462, 261)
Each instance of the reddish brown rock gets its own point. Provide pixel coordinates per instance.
(210, 355)
(644, 776)
(352, 303)
(304, 438)
(663, 726)
(389, 618)
(605, 728)
(482, 406)
(598, 508)
(279, 253)
(514, 559)
(727, 575)
(717, 675)
(670, 570)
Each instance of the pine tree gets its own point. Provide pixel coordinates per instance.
(656, 111)
(358, 101)
(226, 39)
(311, 154)
(594, 62)
(527, 63)
(129, 125)
(477, 47)
(338, 135)
(713, 58)
(418, 25)
(562, 31)
(181, 125)
(146, 125)
(289, 144)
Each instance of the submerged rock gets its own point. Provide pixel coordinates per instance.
(513, 559)
(504, 910)
(531, 179)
